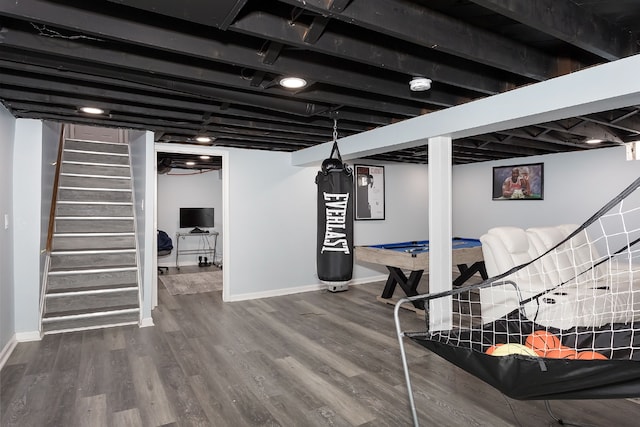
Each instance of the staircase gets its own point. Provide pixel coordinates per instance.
(92, 281)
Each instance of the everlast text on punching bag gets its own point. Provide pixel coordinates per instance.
(335, 223)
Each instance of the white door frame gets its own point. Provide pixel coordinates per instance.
(209, 151)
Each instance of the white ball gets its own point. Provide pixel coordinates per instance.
(507, 349)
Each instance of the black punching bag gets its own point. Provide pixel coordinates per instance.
(335, 223)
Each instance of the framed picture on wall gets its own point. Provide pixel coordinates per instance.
(369, 192)
(519, 182)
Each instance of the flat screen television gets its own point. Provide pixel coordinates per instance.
(196, 218)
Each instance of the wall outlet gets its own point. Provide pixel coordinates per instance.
(6, 221)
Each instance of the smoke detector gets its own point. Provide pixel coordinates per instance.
(419, 84)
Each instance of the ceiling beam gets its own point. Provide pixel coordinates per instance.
(142, 107)
(321, 100)
(569, 22)
(629, 124)
(180, 88)
(476, 145)
(584, 129)
(315, 30)
(547, 101)
(223, 47)
(205, 12)
(397, 58)
(422, 26)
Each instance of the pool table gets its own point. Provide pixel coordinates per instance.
(414, 256)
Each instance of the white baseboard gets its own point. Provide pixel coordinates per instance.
(146, 322)
(297, 290)
(275, 293)
(7, 350)
(28, 336)
(369, 279)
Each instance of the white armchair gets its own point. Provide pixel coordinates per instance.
(578, 293)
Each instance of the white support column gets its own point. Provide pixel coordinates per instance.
(440, 234)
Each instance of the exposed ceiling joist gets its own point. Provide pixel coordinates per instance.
(181, 69)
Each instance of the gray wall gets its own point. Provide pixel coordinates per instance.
(7, 306)
(576, 185)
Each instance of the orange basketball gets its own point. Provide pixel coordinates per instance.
(542, 341)
(561, 353)
(591, 355)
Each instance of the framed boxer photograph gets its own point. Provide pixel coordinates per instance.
(369, 192)
(519, 182)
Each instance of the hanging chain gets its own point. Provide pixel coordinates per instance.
(335, 129)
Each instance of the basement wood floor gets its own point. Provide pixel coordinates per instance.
(312, 359)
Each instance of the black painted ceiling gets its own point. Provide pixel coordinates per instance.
(183, 69)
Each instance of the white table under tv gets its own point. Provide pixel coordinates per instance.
(207, 245)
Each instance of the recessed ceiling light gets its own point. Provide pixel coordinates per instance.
(92, 110)
(203, 139)
(593, 141)
(190, 163)
(205, 157)
(293, 82)
(419, 84)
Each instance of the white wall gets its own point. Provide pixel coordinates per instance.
(406, 217)
(272, 213)
(142, 156)
(406, 206)
(576, 185)
(273, 222)
(7, 307)
(186, 189)
(272, 217)
(27, 200)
